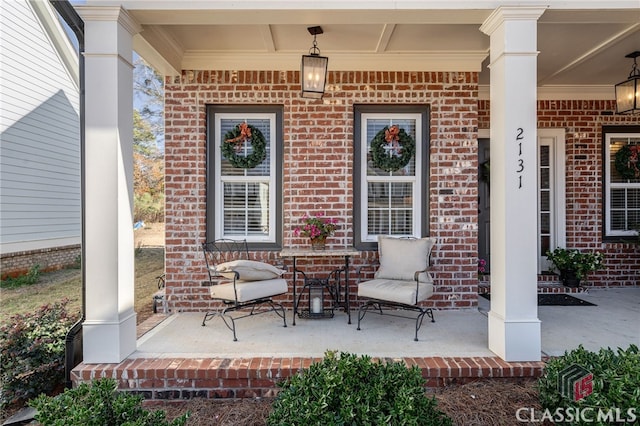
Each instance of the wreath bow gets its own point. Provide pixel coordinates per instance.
(392, 136)
(632, 163)
(245, 135)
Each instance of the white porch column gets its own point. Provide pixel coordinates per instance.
(109, 331)
(514, 328)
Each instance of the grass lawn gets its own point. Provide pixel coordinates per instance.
(55, 286)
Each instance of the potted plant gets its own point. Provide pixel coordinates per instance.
(574, 265)
(317, 228)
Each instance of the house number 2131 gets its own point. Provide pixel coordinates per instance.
(520, 169)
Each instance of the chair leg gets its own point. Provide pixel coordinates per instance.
(362, 311)
(279, 310)
(211, 314)
(423, 312)
(229, 321)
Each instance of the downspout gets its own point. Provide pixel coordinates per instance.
(73, 340)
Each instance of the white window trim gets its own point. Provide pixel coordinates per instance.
(608, 185)
(365, 179)
(271, 179)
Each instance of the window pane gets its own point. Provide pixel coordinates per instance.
(376, 125)
(545, 203)
(545, 223)
(630, 153)
(618, 198)
(390, 208)
(246, 148)
(618, 221)
(544, 245)
(633, 198)
(246, 208)
(544, 178)
(401, 222)
(544, 156)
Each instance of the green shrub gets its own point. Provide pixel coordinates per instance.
(29, 278)
(100, 405)
(346, 389)
(615, 384)
(32, 351)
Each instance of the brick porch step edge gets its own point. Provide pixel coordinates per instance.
(184, 378)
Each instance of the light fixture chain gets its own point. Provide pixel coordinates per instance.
(634, 69)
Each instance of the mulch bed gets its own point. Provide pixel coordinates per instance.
(483, 402)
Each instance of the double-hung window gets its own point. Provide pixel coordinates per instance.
(390, 202)
(244, 201)
(621, 180)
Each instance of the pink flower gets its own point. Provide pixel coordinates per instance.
(316, 226)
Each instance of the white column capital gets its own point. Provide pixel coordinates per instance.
(108, 14)
(510, 13)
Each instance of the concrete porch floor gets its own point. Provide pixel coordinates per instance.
(615, 321)
(178, 358)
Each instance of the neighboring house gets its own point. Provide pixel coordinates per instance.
(547, 106)
(40, 209)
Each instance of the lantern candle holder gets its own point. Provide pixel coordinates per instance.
(315, 288)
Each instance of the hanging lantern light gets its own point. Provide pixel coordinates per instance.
(628, 92)
(314, 69)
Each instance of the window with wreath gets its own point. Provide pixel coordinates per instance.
(244, 176)
(622, 181)
(391, 172)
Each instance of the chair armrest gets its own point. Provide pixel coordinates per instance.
(364, 268)
(216, 278)
(417, 274)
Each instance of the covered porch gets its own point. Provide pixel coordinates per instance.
(178, 358)
(448, 89)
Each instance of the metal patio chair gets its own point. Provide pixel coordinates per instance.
(401, 281)
(241, 284)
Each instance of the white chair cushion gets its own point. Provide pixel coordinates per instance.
(249, 290)
(395, 290)
(400, 258)
(249, 270)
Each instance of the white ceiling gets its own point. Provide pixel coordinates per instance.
(577, 47)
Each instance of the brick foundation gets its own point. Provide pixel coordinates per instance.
(49, 259)
(184, 378)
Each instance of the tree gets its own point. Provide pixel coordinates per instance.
(148, 144)
(148, 97)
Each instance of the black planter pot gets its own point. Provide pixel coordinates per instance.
(569, 278)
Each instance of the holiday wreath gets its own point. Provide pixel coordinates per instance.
(392, 148)
(627, 162)
(233, 145)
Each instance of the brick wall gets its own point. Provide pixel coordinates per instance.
(49, 259)
(324, 129)
(582, 122)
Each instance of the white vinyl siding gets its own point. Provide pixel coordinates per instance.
(40, 135)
